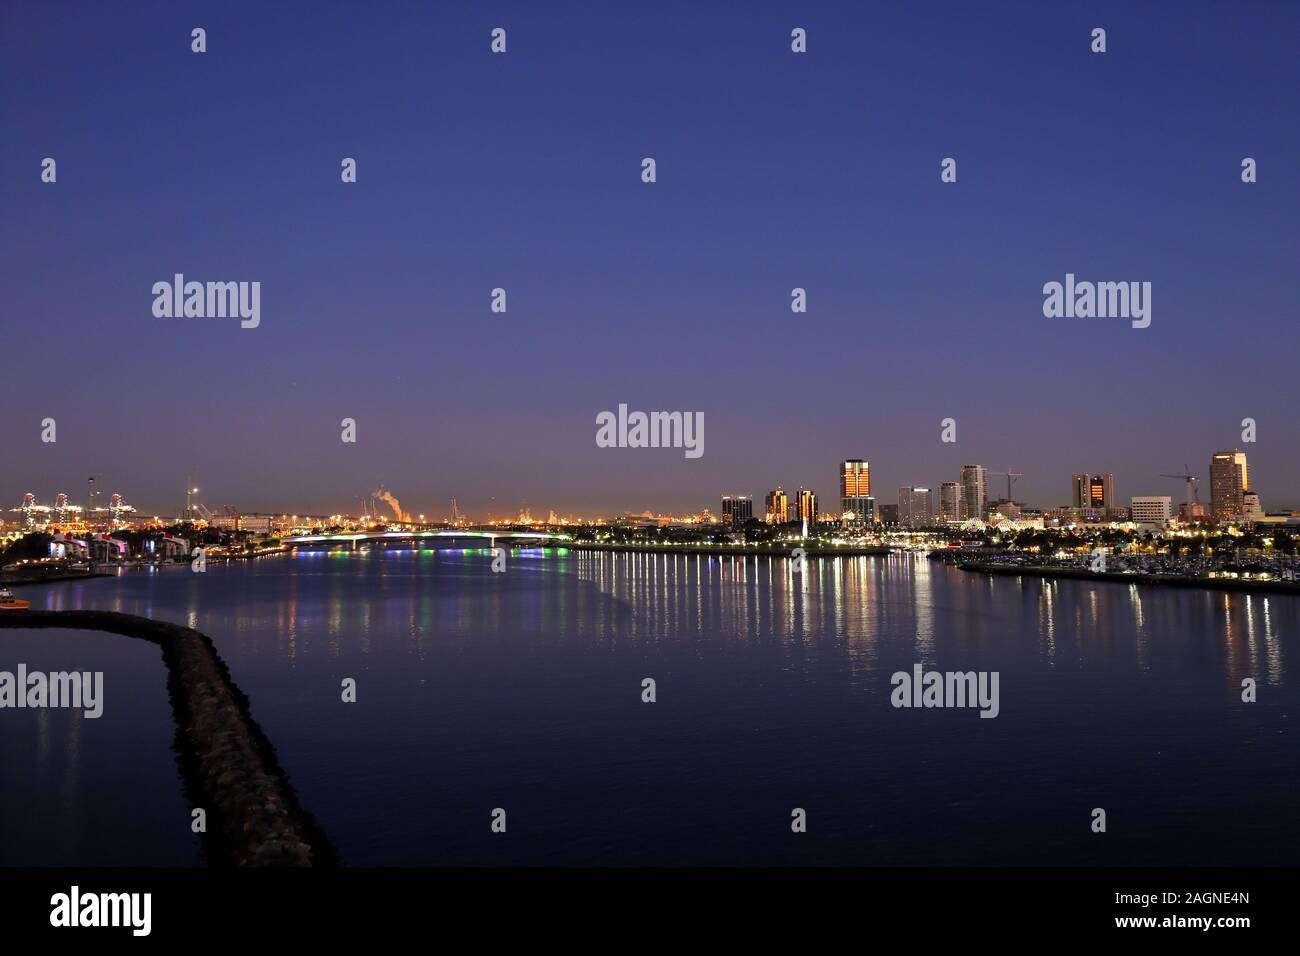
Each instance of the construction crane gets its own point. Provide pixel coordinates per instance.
(1011, 476)
(1191, 480)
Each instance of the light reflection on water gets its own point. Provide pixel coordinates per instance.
(773, 692)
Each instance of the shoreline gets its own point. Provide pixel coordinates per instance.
(228, 765)
(250, 555)
(729, 550)
(52, 578)
(1122, 577)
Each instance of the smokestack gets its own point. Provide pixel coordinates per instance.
(383, 495)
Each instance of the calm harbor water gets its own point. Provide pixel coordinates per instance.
(522, 691)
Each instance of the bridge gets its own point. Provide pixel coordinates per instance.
(416, 536)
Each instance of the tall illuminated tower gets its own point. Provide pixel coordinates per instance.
(776, 507)
(1229, 479)
(974, 491)
(855, 489)
(806, 505)
(950, 501)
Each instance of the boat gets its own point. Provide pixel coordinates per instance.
(10, 603)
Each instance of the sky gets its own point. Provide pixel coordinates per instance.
(522, 171)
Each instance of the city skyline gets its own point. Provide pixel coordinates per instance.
(924, 298)
(1093, 491)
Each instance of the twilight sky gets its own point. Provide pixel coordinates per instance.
(522, 170)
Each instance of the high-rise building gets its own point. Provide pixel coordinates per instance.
(915, 507)
(889, 515)
(1079, 491)
(855, 490)
(950, 503)
(1152, 509)
(1094, 492)
(974, 491)
(805, 506)
(1229, 479)
(776, 507)
(1101, 492)
(737, 509)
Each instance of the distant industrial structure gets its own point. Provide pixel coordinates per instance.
(34, 516)
(964, 501)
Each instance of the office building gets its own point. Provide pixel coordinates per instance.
(1229, 479)
(915, 507)
(1152, 509)
(805, 506)
(974, 491)
(736, 509)
(1093, 492)
(776, 507)
(950, 502)
(855, 490)
(1079, 491)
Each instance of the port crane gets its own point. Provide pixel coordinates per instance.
(1191, 481)
(1011, 476)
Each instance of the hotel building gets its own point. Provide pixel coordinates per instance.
(855, 490)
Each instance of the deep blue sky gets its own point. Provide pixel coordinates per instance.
(523, 171)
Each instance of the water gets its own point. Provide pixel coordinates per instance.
(522, 691)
